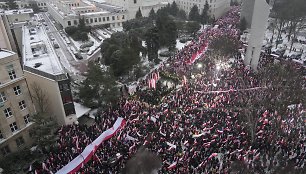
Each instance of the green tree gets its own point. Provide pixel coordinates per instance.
(152, 42)
(194, 14)
(182, 14)
(121, 51)
(138, 14)
(79, 33)
(167, 31)
(192, 27)
(152, 14)
(12, 5)
(205, 14)
(43, 131)
(174, 9)
(99, 88)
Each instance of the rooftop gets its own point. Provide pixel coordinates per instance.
(5, 53)
(38, 52)
(20, 11)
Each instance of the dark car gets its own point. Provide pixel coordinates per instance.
(78, 56)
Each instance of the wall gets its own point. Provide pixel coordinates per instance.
(51, 89)
(12, 102)
(4, 40)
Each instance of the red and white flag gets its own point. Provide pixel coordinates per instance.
(172, 166)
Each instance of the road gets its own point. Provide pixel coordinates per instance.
(72, 66)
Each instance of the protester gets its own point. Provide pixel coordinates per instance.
(197, 128)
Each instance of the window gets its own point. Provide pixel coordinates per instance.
(113, 18)
(22, 105)
(2, 97)
(12, 74)
(19, 141)
(87, 21)
(69, 111)
(96, 20)
(122, 16)
(103, 19)
(8, 112)
(135, 1)
(69, 23)
(67, 99)
(99, 19)
(75, 22)
(17, 90)
(1, 136)
(5, 150)
(66, 87)
(107, 18)
(91, 20)
(13, 127)
(26, 119)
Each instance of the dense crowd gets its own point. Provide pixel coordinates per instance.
(198, 128)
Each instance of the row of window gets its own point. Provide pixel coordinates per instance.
(95, 20)
(17, 91)
(8, 112)
(6, 150)
(74, 5)
(14, 126)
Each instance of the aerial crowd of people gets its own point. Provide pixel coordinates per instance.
(204, 126)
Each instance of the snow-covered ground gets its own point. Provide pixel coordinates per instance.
(297, 48)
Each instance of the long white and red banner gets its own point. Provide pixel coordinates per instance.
(74, 165)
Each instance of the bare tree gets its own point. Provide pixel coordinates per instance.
(144, 162)
(40, 98)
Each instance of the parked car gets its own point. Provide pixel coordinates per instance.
(78, 56)
(55, 45)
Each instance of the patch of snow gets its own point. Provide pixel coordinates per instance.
(80, 110)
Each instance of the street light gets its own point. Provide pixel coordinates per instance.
(200, 65)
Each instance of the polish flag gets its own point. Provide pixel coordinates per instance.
(44, 166)
(172, 166)
(149, 83)
(153, 83)
(212, 155)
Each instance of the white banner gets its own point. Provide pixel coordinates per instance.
(74, 165)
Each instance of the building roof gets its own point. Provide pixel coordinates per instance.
(38, 51)
(5, 53)
(20, 11)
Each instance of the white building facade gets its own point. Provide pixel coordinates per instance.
(217, 7)
(68, 13)
(132, 6)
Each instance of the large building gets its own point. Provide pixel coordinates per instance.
(26, 4)
(12, 21)
(217, 7)
(132, 6)
(68, 13)
(44, 71)
(16, 106)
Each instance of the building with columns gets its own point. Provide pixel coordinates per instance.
(217, 7)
